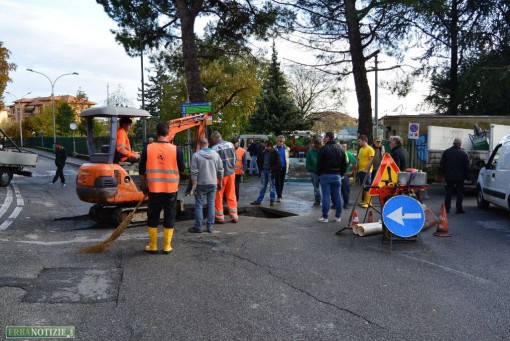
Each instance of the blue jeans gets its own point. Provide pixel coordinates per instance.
(346, 189)
(361, 175)
(330, 186)
(253, 165)
(203, 193)
(267, 178)
(316, 186)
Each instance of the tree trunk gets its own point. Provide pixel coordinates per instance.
(359, 70)
(454, 59)
(189, 52)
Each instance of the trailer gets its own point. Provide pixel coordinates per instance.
(13, 160)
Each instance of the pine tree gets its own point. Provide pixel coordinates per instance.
(276, 110)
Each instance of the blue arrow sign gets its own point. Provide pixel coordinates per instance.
(403, 216)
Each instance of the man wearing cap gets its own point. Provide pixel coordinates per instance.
(123, 148)
(379, 153)
(454, 166)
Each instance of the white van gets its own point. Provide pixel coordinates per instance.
(493, 185)
(243, 141)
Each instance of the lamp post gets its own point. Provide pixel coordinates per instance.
(41, 132)
(20, 115)
(53, 96)
(73, 127)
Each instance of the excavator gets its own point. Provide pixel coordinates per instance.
(114, 187)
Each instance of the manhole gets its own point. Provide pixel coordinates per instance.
(263, 212)
(251, 211)
(71, 285)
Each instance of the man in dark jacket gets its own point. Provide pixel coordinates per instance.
(398, 153)
(331, 166)
(253, 149)
(60, 162)
(454, 166)
(269, 167)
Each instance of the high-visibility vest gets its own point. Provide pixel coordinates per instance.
(123, 147)
(239, 162)
(162, 172)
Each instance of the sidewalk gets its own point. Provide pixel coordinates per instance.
(50, 155)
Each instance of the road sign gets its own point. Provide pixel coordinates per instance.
(197, 108)
(414, 130)
(403, 216)
(382, 173)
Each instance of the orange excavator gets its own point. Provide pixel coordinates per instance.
(113, 187)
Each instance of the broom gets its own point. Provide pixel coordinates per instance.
(102, 246)
(356, 200)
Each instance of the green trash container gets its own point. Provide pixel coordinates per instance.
(480, 143)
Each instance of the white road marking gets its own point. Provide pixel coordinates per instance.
(19, 207)
(7, 202)
(457, 272)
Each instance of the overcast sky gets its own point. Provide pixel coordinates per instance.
(56, 37)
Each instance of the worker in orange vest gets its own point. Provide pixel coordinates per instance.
(241, 164)
(159, 169)
(228, 158)
(123, 147)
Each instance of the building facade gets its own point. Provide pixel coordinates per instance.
(34, 106)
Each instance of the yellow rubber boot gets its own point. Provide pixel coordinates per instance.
(365, 202)
(167, 240)
(153, 240)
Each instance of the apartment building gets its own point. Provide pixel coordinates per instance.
(34, 106)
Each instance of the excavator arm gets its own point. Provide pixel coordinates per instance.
(198, 121)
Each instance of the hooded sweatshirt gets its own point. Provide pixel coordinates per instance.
(206, 167)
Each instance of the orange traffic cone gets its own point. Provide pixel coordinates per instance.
(442, 225)
(370, 218)
(354, 221)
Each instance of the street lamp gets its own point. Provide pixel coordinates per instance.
(73, 127)
(20, 115)
(41, 132)
(53, 97)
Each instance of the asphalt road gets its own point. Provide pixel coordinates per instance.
(261, 279)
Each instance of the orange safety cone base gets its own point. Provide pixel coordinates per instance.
(355, 220)
(370, 218)
(441, 234)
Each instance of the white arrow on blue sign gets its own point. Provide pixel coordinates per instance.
(403, 216)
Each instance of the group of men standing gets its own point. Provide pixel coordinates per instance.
(216, 173)
(331, 166)
(273, 165)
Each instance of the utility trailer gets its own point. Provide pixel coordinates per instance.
(13, 160)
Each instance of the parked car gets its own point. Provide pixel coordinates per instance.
(493, 184)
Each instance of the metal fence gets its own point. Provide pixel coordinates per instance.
(417, 150)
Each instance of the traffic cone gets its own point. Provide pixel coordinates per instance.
(442, 225)
(354, 221)
(370, 218)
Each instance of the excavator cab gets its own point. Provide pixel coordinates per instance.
(111, 185)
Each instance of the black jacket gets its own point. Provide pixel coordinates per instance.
(60, 157)
(331, 159)
(399, 155)
(454, 164)
(275, 162)
(253, 149)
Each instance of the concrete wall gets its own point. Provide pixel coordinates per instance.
(399, 125)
